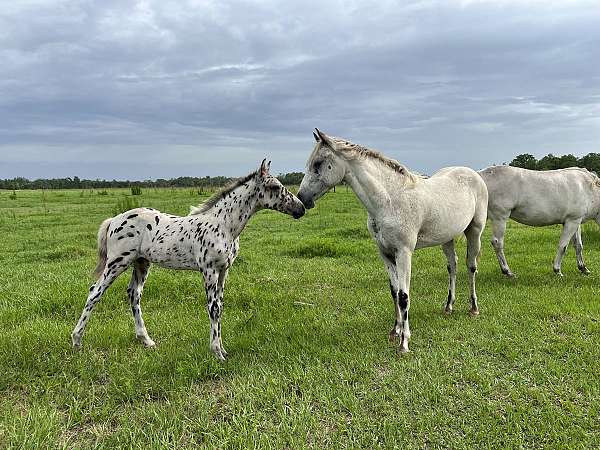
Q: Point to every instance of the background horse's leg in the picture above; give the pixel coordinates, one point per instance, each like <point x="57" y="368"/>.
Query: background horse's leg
<point x="112" y="270"/>
<point x="569" y="229"/>
<point x="134" y="291"/>
<point x="214" y="306"/>
<point x="403" y="265"/>
<point x="498" y="229"/>
<point x="578" y="245"/>
<point x="473" y="234"/>
<point x="450" y="253"/>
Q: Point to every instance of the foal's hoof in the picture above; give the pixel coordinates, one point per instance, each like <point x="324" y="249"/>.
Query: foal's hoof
<point x="447" y="310"/>
<point x="509" y="274"/>
<point x="149" y="343"/>
<point x="558" y="273"/>
<point x="584" y="270"/>
<point x="474" y="312"/>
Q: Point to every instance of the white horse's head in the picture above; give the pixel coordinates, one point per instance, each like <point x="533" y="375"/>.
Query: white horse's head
<point x="324" y="169"/>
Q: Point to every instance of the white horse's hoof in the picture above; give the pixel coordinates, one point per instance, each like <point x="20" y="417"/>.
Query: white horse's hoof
<point x="392" y="335"/>
<point x="558" y="273"/>
<point x="447" y="311"/>
<point x="149" y="343"/>
<point x="474" y="312"/>
<point x="403" y="350"/>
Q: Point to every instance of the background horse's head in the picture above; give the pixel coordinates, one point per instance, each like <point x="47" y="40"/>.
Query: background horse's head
<point x="274" y="195"/>
<point x="324" y="170"/>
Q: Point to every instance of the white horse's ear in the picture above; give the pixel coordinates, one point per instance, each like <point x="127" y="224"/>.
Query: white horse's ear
<point x="264" y="168"/>
<point x="324" y="138"/>
<point x="269" y="166"/>
<point x="316" y="137"/>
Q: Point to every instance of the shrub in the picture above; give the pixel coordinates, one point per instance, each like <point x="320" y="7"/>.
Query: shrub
<point x="125" y="204"/>
<point x="136" y="190"/>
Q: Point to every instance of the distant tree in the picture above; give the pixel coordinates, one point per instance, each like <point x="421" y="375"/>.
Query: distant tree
<point x="525" y="161"/>
<point x="591" y="162"/>
<point x="549" y="162"/>
<point x="567" y="161"/>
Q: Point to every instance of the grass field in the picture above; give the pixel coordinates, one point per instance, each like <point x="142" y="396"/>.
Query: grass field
<point x="523" y="374"/>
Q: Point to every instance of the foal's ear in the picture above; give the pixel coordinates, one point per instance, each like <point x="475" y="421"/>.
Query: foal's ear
<point x="317" y="138"/>
<point x="264" y="168"/>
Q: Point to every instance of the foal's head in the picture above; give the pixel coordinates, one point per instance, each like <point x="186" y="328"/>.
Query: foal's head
<point x="324" y="169"/>
<point x="274" y="195"/>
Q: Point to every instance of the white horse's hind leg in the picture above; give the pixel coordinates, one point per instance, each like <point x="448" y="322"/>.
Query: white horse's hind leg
<point x="473" y="234"/>
<point x="578" y="245"/>
<point x="112" y="270"/>
<point x="403" y="265"/>
<point x="450" y="253"/>
<point x="569" y="229"/>
<point x="134" y="292"/>
<point x="498" y="230"/>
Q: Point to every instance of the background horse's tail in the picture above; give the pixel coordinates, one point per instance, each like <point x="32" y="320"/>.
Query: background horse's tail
<point x="102" y="235"/>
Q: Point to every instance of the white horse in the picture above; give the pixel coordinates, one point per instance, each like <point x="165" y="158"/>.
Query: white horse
<point x="539" y="198"/>
<point x="206" y="240"/>
<point x="406" y="212"/>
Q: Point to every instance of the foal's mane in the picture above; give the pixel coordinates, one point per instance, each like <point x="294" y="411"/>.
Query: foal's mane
<point x="349" y="150"/>
<point x="228" y="188"/>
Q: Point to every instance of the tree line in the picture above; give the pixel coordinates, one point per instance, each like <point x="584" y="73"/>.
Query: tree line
<point x="207" y="182"/>
<point x="591" y="162"/>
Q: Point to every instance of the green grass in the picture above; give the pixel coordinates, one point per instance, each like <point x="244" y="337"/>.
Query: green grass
<point x="523" y="374"/>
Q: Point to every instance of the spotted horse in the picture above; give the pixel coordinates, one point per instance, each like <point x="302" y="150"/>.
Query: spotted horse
<point x="206" y="240"/>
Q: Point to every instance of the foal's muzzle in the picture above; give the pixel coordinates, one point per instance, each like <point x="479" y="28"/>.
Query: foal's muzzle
<point x="299" y="212"/>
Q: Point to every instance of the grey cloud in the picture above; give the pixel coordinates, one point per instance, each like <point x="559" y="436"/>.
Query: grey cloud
<point x="164" y="88"/>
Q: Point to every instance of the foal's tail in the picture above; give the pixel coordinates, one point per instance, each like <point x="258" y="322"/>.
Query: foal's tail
<point x="102" y="253"/>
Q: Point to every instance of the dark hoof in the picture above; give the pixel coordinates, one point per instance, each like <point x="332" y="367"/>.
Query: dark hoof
<point x="392" y="336"/>
<point x="584" y="270"/>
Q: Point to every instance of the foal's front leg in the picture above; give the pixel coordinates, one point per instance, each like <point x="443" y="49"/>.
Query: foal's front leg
<point x="214" y="306"/>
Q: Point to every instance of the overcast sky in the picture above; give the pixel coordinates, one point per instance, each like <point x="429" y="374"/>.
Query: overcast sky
<point x="160" y="89"/>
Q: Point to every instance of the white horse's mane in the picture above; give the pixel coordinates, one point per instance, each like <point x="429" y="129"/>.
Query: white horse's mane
<point x="350" y="151"/>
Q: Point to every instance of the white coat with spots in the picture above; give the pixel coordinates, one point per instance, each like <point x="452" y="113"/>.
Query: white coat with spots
<point x="539" y="198"/>
<point x="406" y="212"/>
<point x="206" y="240"/>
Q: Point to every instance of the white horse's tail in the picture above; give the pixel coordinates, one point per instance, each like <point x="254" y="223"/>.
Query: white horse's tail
<point x="102" y="252"/>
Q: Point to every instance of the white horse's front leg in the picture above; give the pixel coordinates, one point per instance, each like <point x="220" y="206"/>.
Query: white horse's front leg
<point x="214" y="307"/>
<point x="578" y="245"/>
<point x="403" y="266"/>
<point x="569" y="229"/>
<point x="390" y="266"/>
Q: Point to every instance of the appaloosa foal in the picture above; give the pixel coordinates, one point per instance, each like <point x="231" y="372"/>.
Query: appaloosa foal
<point x="206" y="240"/>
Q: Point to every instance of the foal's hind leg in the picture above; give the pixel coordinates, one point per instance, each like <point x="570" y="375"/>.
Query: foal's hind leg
<point x="473" y="234"/>
<point x="578" y="245"/>
<point x="134" y="292"/>
<point x="498" y="229"/>
<point x="450" y="253"/>
<point x="112" y="270"/>
<point x="569" y="229"/>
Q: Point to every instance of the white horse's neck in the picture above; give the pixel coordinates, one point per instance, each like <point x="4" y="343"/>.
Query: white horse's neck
<point x="369" y="180"/>
<point x="234" y="210"/>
